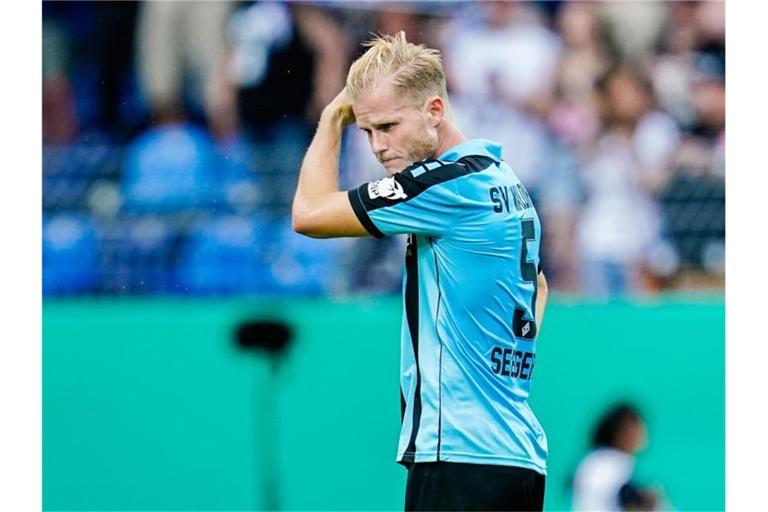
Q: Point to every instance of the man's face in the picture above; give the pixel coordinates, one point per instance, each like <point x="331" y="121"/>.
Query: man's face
<point x="400" y="130"/>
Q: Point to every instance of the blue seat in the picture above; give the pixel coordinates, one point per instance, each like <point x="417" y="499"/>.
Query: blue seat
<point x="70" y="171"/>
<point x="237" y="189"/>
<point x="70" y="255"/>
<point x="300" y="265"/>
<point x="169" y="169"/>
<point x="138" y="255"/>
<point x="242" y="255"/>
<point x="223" y="255"/>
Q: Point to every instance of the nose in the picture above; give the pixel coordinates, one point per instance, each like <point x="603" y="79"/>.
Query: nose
<point x="378" y="143"/>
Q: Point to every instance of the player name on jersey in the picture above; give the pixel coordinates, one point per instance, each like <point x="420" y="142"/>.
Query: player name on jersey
<point x="512" y="363"/>
<point x="501" y="198"/>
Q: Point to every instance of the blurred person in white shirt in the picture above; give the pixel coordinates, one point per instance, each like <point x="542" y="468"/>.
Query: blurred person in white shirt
<point x="620" y="222"/>
<point x="604" y="478"/>
<point x="507" y="44"/>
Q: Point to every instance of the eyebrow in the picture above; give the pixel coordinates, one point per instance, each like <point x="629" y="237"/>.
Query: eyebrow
<point x="378" y="125"/>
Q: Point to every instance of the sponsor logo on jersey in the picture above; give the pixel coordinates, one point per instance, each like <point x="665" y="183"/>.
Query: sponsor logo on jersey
<point x="387" y="188"/>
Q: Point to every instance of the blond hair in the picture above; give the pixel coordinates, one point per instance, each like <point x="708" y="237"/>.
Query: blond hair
<point x="414" y="70"/>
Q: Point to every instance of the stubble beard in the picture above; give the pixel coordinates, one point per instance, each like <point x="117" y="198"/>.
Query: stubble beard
<point x="420" y="150"/>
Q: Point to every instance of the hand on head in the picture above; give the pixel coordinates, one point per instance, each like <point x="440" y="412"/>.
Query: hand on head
<point x="341" y="107"/>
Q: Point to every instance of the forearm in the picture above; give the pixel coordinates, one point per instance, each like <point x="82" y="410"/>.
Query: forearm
<point x="320" y="210"/>
<point x="319" y="175"/>
<point x="541" y="299"/>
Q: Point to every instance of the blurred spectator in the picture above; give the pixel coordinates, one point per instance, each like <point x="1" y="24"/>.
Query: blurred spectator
<point x="502" y="50"/>
<point x="497" y="97"/>
<point x="693" y="204"/>
<point x="633" y="29"/>
<point x="59" y="117"/>
<point x="709" y="97"/>
<point x="181" y="57"/>
<point x="558" y="206"/>
<point x="288" y="61"/>
<point x="604" y="479"/>
<point x="620" y="221"/>
<point x="672" y="70"/>
<point x="89" y="81"/>
<point x="113" y="44"/>
<point x="689" y="76"/>
<point x="523" y="135"/>
<point x="574" y="118"/>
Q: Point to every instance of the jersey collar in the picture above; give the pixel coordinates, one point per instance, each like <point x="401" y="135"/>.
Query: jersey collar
<point x="480" y="147"/>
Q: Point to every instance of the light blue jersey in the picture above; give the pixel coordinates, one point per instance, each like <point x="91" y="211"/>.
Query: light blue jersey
<point x="469" y="287"/>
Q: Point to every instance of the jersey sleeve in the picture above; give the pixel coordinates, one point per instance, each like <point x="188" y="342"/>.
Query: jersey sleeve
<point x="423" y="199"/>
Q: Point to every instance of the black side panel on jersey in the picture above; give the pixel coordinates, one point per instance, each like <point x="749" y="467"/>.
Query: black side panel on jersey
<point x="412" y="318"/>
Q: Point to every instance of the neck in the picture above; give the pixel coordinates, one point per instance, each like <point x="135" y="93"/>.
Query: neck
<point x="448" y="135"/>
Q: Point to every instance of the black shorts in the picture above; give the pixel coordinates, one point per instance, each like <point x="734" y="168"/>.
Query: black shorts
<point x="458" y="486"/>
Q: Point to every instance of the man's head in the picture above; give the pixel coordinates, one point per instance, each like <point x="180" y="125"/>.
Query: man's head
<point x="621" y="427"/>
<point x="399" y="99"/>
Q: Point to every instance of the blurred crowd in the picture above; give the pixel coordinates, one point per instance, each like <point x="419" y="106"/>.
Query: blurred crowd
<point x="173" y="133"/>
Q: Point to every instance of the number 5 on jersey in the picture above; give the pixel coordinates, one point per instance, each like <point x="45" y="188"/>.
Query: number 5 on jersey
<point x="523" y="327"/>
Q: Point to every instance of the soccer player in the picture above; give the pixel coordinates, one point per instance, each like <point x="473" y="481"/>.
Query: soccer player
<point x="473" y="292"/>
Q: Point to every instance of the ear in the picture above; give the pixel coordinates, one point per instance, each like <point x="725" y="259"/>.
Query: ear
<point x="435" y="109"/>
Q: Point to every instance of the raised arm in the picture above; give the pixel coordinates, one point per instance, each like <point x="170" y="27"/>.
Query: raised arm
<point x="320" y="210"/>
<point x="541" y="299"/>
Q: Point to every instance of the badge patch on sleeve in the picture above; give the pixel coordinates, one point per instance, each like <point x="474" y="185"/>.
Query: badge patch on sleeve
<point x="387" y="188"/>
